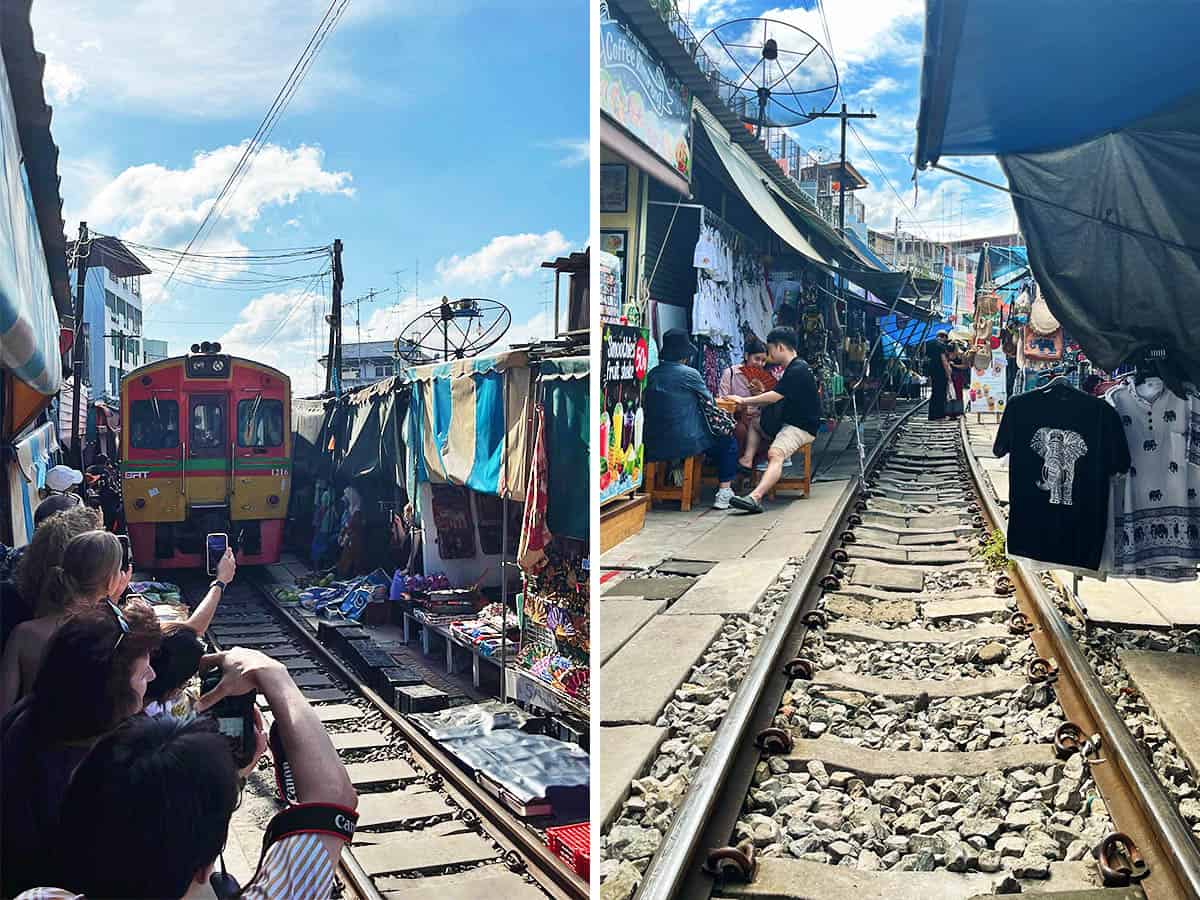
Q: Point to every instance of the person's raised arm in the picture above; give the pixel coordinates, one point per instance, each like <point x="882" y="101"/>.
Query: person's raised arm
<point x="203" y="614"/>
<point x="318" y="771"/>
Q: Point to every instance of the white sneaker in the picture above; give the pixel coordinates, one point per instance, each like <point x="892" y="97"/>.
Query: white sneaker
<point x="722" y="499"/>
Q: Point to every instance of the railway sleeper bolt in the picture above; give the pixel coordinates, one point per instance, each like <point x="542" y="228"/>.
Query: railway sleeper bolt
<point x="848" y="537"/>
<point x="831" y="583"/>
<point x="434" y="780"/>
<point x="1039" y="669"/>
<point x="1068" y="739"/>
<point x="798" y="668"/>
<point x="1019" y="623"/>
<point x="977" y="521"/>
<point x="814" y="618"/>
<point x="732" y="863"/>
<point x="1004" y="586"/>
<point x="1119" y="860"/>
<point x="514" y="861"/>
<point x="470" y="819"/>
<point x="855" y="519"/>
<point x="840" y="555"/>
<point x="860" y="506"/>
<point x="774" y="741"/>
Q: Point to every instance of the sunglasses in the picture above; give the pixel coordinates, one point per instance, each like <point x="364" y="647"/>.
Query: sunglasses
<point x="121" y="620"/>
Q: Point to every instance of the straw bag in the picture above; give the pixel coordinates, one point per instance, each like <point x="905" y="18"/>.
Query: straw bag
<point x="1041" y="320"/>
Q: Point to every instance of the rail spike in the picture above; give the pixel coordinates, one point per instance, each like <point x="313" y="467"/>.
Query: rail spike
<point x="732" y="863"/>
<point x="798" y="668"/>
<point x="831" y="583"/>
<point x="1068" y="739"/>
<point x="1019" y="623"/>
<point x="1039" y="670"/>
<point x="1119" y="860"/>
<point x="814" y="619"/>
<point x="774" y="741"/>
<point x="514" y="861"/>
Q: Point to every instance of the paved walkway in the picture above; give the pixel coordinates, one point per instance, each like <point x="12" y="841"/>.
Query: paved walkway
<point x="668" y="591"/>
<point x="1117" y="601"/>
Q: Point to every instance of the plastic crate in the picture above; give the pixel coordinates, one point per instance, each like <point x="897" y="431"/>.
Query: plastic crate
<point x="572" y="844"/>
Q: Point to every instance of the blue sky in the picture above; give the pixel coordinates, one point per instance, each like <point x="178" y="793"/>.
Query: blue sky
<point x="877" y="47"/>
<point x="451" y="133"/>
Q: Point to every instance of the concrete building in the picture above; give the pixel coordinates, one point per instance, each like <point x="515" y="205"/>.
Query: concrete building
<point x="153" y="351"/>
<point x="112" y="315"/>
<point x="368" y="362"/>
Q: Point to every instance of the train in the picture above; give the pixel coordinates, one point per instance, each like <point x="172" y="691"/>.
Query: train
<point x="206" y="446"/>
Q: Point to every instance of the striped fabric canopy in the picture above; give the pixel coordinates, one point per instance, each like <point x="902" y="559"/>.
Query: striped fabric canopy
<point x="468" y="423"/>
<point x="26" y="475"/>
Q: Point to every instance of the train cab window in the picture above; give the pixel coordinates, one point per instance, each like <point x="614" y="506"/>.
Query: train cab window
<point x="260" y="423"/>
<point x="208" y="424"/>
<point x="154" y="424"/>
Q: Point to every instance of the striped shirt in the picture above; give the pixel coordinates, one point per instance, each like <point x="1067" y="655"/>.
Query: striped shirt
<point x="296" y="867"/>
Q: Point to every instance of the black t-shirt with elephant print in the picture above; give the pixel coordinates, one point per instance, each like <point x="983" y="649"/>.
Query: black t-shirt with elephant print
<point x="1064" y="446"/>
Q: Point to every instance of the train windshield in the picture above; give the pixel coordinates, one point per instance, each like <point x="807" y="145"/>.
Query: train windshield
<point x="208" y="426"/>
<point x="260" y="423"/>
<point x="154" y="424"/>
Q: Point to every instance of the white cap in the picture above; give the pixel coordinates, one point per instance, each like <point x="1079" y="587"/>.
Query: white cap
<point x="61" y="478"/>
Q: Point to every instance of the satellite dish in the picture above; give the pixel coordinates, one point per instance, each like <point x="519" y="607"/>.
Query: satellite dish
<point x="770" y="72"/>
<point x="454" y="329"/>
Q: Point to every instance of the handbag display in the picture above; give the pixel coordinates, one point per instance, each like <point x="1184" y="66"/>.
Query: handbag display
<point x="1041" y="320"/>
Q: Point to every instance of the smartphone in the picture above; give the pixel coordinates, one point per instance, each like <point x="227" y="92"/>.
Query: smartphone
<point x="126" y="552"/>
<point x="215" y="546"/>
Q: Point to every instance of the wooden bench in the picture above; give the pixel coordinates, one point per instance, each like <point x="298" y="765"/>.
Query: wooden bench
<point x="687" y="493"/>
<point x="802" y="483"/>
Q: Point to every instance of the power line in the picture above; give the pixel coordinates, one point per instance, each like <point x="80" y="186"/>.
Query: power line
<point x="282" y="98"/>
<point x="887" y="180"/>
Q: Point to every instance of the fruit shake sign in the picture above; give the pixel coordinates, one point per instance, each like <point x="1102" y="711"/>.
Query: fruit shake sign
<point x="637" y="92"/>
<point x="624" y="358"/>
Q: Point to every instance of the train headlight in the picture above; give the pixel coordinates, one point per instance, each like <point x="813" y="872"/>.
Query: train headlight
<point x="273" y="500"/>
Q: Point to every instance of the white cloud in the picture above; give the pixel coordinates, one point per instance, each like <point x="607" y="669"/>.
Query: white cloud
<point x="538" y="327"/>
<point x="160" y="206"/>
<point x="877" y="88"/>
<point x="199" y="60"/>
<point x="862" y="31"/>
<point x="63" y="84"/>
<point x="504" y="257"/>
<point x="277" y="329"/>
<point x="575" y="151"/>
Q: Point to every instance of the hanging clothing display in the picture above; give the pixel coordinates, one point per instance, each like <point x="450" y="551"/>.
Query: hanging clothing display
<point x="731" y="291"/>
<point x="1156" y="507"/>
<point x="1064" y="446"/>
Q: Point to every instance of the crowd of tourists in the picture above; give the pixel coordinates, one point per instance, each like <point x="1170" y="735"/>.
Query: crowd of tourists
<point x="115" y="779"/>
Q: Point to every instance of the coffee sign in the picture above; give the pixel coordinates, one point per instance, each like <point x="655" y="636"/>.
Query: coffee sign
<point x="637" y="92"/>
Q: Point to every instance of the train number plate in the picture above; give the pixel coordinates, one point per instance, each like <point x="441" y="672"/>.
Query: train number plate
<point x="279" y="472"/>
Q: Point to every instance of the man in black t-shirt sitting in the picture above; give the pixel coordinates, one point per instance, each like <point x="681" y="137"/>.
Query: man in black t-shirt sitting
<point x="793" y="424"/>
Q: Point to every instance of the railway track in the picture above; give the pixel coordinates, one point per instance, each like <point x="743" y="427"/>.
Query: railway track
<point x="426" y="829"/>
<point x="917" y="724"/>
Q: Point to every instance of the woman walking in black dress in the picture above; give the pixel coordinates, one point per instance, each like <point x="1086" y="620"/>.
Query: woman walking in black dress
<point x="937" y="352"/>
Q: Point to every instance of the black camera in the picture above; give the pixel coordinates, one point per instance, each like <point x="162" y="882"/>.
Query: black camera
<point x="235" y="718"/>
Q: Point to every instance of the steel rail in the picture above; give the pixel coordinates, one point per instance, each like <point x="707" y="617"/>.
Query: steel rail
<point x="1119" y="744"/>
<point x="669" y="867"/>
<point x="550" y="871"/>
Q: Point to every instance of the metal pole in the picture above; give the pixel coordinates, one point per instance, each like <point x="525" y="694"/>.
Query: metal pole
<point x="503" y="600"/>
<point x="77" y="348"/>
<point x="842" y="178"/>
<point x="338" y="279"/>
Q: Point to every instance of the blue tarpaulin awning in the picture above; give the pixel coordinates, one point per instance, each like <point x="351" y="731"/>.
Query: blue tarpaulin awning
<point x="1093" y="109"/>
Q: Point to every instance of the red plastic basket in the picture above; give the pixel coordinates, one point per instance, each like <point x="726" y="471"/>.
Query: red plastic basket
<point x="572" y="844"/>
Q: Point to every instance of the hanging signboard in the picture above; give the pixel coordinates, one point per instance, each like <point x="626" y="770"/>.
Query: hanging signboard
<point x="638" y="93"/>
<point x="624" y="359"/>
<point x="987" y="391"/>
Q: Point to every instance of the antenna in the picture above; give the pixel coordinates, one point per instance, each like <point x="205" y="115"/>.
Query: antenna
<point x="445" y="330"/>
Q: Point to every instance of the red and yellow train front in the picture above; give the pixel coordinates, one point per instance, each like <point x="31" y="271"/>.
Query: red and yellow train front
<point x="206" y="447"/>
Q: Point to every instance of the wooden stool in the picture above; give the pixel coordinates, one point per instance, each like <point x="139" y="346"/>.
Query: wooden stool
<point x="687" y="493"/>
<point x="802" y="483"/>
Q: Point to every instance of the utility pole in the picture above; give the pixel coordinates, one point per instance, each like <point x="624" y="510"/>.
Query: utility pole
<point x="82" y="248"/>
<point x="333" y="374"/>
<point x="896" y="243"/>
<point x="845" y="117"/>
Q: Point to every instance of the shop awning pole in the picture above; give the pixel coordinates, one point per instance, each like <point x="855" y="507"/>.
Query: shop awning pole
<point x="503" y="600"/>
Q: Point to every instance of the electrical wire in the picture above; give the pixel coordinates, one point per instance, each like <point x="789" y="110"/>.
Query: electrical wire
<point x="887" y="181"/>
<point x="299" y="70"/>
